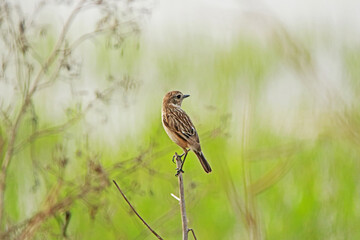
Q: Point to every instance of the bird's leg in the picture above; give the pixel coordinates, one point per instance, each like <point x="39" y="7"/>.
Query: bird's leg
<point x="182" y="162"/>
<point x="176" y="155"/>
<point x="182" y="154"/>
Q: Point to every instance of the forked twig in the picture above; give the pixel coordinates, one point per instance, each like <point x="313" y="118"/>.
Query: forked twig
<point x="137" y="214"/>
<point x="185" y="229"/>
<point x="193" y="233"/>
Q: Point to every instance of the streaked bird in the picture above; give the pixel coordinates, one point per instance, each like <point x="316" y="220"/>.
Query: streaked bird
<point x="180" y="129"/>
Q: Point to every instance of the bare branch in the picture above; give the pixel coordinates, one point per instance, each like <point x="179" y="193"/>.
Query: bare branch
<point x="137" y="214"/>
<point x="87" y="36"/>
<point x="59" y="43"/>
<point x="48" y="131"/>
<point x="34" y="222"/>
<point x="5" y="118"/>
<point x="184" y="220"/>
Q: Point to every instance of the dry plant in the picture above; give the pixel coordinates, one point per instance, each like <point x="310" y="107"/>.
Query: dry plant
<point x="242" y="192"/>
<point x="243" y="196"/>
<point x="184" y="220"/>
<point x="26" y="70"/>
<point x="243" y="189"/>
<point x="137" y="214"/>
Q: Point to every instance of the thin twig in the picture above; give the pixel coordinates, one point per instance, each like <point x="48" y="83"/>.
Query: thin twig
<point x="48" y="131"/>
<point x="174" y="196"/>
<point x="66" y="224"/>
<point x="185" y="228"/>
<point x="137" y="214"/>
<point x="249" y="196"/>
<point x="193" y="233"/>
<point x="34" y="222"/>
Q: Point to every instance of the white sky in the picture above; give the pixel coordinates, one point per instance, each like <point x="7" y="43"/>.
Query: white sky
<point x="222" y="20"/>
<point x="219" y="18"/>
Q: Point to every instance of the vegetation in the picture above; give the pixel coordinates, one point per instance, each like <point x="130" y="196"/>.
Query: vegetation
<point x="279" y="122"/>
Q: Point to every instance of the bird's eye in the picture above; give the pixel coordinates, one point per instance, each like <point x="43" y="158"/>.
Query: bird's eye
<point x="178" y="96"/>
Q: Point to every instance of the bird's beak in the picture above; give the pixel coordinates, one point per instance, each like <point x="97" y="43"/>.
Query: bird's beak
<point x="185" y="96"/>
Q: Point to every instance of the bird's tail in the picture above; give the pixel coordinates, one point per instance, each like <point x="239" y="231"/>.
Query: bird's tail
<point x="203" y="161"/>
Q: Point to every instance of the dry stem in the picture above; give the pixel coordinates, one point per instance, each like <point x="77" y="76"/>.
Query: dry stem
<point x="24" y="107"/>
<point x="137" y="214"/>
<point x="185" y="229"/>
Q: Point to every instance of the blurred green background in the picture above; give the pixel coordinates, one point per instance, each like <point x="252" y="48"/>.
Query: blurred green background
<point x="276" y="106"/>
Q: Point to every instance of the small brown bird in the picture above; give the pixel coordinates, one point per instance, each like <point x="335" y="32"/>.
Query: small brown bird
<point x="179" y="127"/>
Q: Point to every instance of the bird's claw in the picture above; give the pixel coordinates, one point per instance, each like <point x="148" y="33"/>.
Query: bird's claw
<point x="178" y="172"/>
<point x="176" y="156"/>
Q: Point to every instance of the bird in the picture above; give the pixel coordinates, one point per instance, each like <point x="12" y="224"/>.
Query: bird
<point x="180" y="129"/>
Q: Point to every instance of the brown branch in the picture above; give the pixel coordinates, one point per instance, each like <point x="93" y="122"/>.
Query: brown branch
<point x="6" y="161"/>
<point x="93" y="34"/>
<point x="54" y="74"/>
<point x="52" y="206"/>
<point x="87" y="36"/>
<point x="137" y="214"/>
<point x="54" y="54"/>
<point x="185" y="229"/>
<point x="34" y="222"/>
<point x="60" y="42"/>
<point x="5" y="117"/>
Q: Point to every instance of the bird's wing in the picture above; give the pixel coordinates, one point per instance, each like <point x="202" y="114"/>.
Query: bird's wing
<point x="179" y="122"/>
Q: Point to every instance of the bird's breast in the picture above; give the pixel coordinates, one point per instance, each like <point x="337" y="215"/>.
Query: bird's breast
<point x="172" y="135"/>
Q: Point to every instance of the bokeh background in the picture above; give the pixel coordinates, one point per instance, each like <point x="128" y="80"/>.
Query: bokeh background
<point x="274" y="91"/>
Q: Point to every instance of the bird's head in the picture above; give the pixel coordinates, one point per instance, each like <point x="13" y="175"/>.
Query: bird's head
<point x="174" y="98"/>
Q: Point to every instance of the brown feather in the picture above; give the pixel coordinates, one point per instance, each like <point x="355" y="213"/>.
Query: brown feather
<point x="203" y="161"/>
<point x="179" y="127"/>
